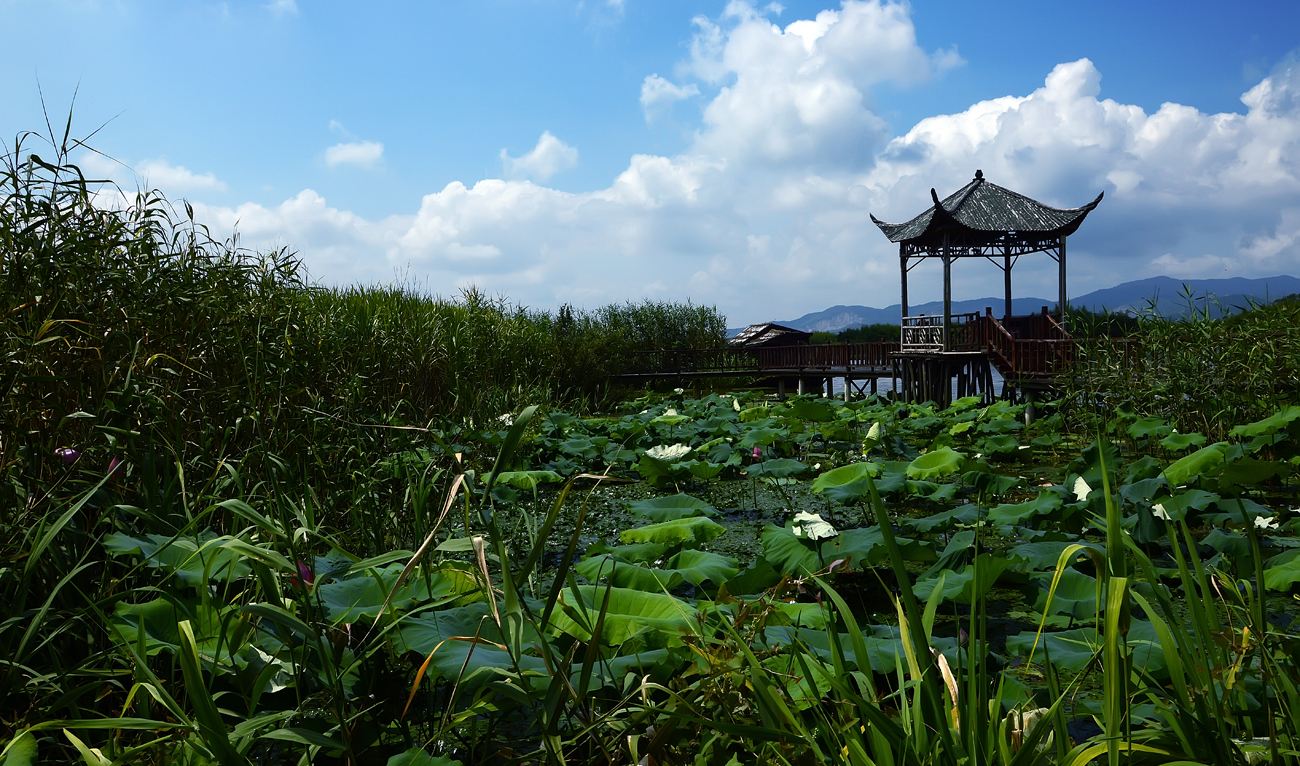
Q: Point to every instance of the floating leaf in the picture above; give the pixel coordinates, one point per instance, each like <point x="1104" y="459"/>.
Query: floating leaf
<point x="693" y="529"/>
<point x="943" y="461"/>
<point x="970" y="583"/>
<point x="1047" y="503"/>
<point x="669" y="507"/>
<point x="811" y="526"/>
<point x="846" y="483"/>
<point x="778" y="468"/>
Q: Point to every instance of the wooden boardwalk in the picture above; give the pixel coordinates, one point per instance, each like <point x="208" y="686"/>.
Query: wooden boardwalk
<point x="1028" y="352"/>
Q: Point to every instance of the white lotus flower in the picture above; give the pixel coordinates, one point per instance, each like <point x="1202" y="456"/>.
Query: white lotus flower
<point x="735" y="405"/>
<point x="679" y="390"/>
<point x="669" y="453"/>
<point x="1159" y="512"/>
<point x="874" y="432"/>
<point x="1081" y="489"/>
<point x="812" y="526"/>
<point x="670" y="412"/>
<point x="506" y="419"/>
<point x="1265" y="522"/>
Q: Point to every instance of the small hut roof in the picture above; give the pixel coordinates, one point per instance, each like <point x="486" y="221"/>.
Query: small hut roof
<point x="765" y="333"/>
<point x="982" y="212"/>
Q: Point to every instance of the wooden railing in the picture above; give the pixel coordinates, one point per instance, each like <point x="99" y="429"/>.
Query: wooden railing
<point x="1048" y="350"/>
<point x="844" y="355"/>
<point x="926" y="332"/>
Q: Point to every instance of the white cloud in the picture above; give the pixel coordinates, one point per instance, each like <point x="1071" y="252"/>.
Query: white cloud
<point x="658" y="93"/>
<point x="172" y="180"/>
<point x="765" y="214"/>
<point x="282" y="7"/>
<point x="548" y="157"/>
<point x="361" y="154"/>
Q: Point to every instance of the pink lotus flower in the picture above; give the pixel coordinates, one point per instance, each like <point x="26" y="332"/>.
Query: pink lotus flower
<point x="304" y="578"/>
<point x="68" y="455"/>
<point x="758" y="453"/>
<point x="113" y="464"/>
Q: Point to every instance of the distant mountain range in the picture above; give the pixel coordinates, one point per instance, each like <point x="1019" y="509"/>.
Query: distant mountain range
<point x="1164" y="294"/>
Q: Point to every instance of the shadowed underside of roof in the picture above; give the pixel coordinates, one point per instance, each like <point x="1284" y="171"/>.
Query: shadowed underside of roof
<point x="981" y="213"/>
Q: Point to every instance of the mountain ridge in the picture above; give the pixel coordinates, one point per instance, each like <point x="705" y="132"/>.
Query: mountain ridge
<point x="1163" y="294"/>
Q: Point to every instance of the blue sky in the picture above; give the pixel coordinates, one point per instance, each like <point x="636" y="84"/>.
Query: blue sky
<point x="591" y="151"/>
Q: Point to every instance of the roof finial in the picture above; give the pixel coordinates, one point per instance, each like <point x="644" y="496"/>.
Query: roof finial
<point x="979" y="175"/>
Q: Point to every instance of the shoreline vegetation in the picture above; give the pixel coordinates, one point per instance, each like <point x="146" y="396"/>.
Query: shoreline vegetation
<point x="252" y="520"/>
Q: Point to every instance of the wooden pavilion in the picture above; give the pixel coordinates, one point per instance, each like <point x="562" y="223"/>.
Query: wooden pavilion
<point x="982" y="220"/>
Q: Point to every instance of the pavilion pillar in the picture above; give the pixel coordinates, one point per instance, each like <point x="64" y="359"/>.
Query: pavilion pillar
<point x="1061" y="299"/>
<point x="947" y="294"/>
<point x="1006" y="280"/>
<point x="902" y="260"/>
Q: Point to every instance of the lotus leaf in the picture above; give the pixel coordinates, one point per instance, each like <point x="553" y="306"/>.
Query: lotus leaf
<point x="943" y="461"/>
<point x="846" y="483"/>
<point x="1176" y="442"/>
<point x="1205" y="462"/>
<point x="1047" y="503"/>
<point x="1272" y="424"/>
<point x="528" y="480"/>
<point x="194" y="561"/>
<point x="962" y="514"/>
<point x="1283" y="571"/>
<point x="689" y="530"/>
<point x="657" y="617"/>
<point x="1149" y="428"/>
<point x="669" y="507"/>
<point x="788" y="554"/>
<point x="971" y="582"/>
<point x="778" y="468"/>
<point x="1075" y="596"/>
<point x="1073" y="650"/>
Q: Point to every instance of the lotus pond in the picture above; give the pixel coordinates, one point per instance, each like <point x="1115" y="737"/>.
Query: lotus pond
<point x="738" y="579"/>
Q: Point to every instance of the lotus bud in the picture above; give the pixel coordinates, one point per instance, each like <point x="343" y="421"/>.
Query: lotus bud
<point x="68" y="455"/>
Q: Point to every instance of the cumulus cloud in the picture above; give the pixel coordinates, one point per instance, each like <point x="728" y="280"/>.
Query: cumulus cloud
<point x="360" y="154"/>
<point x="658" y="93"/>
<point x="548" y="157"/>
<point x="172" y="180"/>
<point x="765" y="213"/>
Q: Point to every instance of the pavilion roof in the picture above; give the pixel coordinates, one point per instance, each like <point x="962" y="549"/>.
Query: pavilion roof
<point x="982" y="212"/>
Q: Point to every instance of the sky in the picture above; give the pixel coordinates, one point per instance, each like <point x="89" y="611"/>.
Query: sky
<point x="727" y="153"/>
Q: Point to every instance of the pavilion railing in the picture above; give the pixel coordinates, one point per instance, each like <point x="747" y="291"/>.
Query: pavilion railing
<point x="824" y="356"/>
<point x="927" y="332"/>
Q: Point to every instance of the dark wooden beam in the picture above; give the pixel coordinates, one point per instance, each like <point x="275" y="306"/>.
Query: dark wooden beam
<point x="1006" y="279"/>
<point x="1060" y="263"/>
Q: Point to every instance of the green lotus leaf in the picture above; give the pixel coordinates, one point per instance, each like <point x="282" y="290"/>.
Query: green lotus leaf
<point x="1145" y="428"/>
<point x="1272" y="424"/>
<point x="1002" y="444"/>
<point x="1204" y="462"/>
<point x="787" y="553"/>
<point x="528" y="480"/>
<point x="697" y="567"/>
<point x="669" y="507"/>
<point x="657" y="617"/>
<point x="962" y="514"/>
<point x="865" y="547"/>
<point x="1044" y="554"/>
<point x="1073" y="650"/>
<point x="846" y="483"/>
<point x="812" y="410"/>
<point x="362" y="596"/>
<point x="1045" y="504"/>
<point x="692" y="529"/>
<point x="607" y="569"/>
<point x="669" y="420"/>
<point x="1177" y="442"/>
<point x="968" y="584"/>
<point x="633" y="554"/>
<point x="943" y="461"/>
<point x="1283" y="571"/>
<point x="1075" y="596"/>
<point x="777" y="468"/>
<point x="195" y="561"/>
<point x="423" y="633"/>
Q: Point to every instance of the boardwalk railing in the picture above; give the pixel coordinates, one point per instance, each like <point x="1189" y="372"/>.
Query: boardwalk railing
<point x="830" y="355"/>
<point x="1034" y="346"/>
